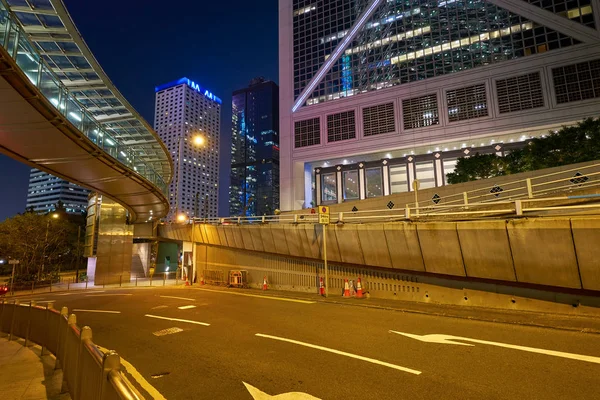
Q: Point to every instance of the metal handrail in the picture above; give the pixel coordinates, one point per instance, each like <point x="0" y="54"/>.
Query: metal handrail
<point x="72" y="346"/>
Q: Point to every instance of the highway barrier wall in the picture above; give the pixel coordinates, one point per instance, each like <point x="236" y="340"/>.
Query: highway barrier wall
<point x="522" y="257"/>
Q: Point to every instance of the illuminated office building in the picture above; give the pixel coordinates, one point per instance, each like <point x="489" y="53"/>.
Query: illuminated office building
<point x="377" y="93"/>
<point x="45" y="191"/>
<point x="183" y="111"/>
<point x="254" y="188"/>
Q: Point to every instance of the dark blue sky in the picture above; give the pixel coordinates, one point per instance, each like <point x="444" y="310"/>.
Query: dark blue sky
<point x="141" y="44"/>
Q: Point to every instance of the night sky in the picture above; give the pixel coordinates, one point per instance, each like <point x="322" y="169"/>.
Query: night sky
<point x="141" y="44"/>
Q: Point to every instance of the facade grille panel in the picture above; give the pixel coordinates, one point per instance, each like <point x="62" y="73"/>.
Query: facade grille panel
<point x="577" y="81"/>
<point x="379" y="119"/>
<point x="420" y="111"/>
<point x="467" y="103"/>
<point x="341" y="126"/>
<point x="520" y="93"/>
<point x="307" y="132"/>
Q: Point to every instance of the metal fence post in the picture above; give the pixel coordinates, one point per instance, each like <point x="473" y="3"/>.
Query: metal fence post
<point x="68" y="285"/>
<point x="50" y="285"/>
<point x="31" y="305"/>
<point x="519" y="207"/>
<point x="120" y="280"/>
<point x="136" y="278"/>
<point x="57" y="365"/>
<point x="164" y="278"/>
<point x="32" y="286"/>
<point x="340" y="217"/>
<point x="12" y="322"/>
<point x="86" y="282"/>
<point x="407" y="212"/>
<point x="529" y="188"/>
<point x="151" y="275"/>
<point x="110" y="361"/>
<point x="86" y="334"/>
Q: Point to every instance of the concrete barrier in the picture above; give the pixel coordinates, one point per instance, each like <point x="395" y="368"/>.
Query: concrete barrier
<point x="486" y="250"/>
<point x="403" y="246"/>
<point x="257" y="242"/>
<point x="247" y="239"/>
<point x="237" y="236"/>
<point x="292" y="237"/>
<point x="313" y="240"/>
<point x="211" y="235"/>
<point x="333" y="250"/>
<point x="229" y="234"/>
<point x="543" y="252"/>
<point x="586" y="236"/>
<point x="440" y="248"/>
<point x="349" y="244"/>
<point x="374" y="246"/>
<point x="222" y="235"/>
<point x="279" y="240"/>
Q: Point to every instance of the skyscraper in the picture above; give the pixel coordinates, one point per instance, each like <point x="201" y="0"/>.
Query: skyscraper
<point x="187" y="118"/>
<point x="46" y="190"/>
<point x="375" y="94"/>
<point x="254" y="188"/>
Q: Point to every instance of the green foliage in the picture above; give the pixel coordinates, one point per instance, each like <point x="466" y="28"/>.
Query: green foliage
<point x="570" y="145"/>
<point x="41" y="243"/>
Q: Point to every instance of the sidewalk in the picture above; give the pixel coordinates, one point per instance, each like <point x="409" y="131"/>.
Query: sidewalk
<point x="577" y="323"/>
<point x="26" y="375"/>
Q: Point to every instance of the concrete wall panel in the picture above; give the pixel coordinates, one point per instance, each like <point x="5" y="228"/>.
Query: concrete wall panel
<point x="229" y="234"/>
<point x="246" y="238"/>
<point x="212" y="234"/>
<point x="279" y="241"/>
<point x="222" y="235"/>
<point x="313" y="241"/>
<point x="292" y="235"/>
<point x="485" y="249"/>
<point x="333" y="250"/>
<point x="586" y="234"/>
<point x="237" y="237"/>
<point x="373" y="245"/>
<point x="254" y="231"/>
<point x="349" y="244"/>
<point x="199" y="234"/>
<point x="543" y="252"/>
<point x="441" y="248"/>
<point x="267" y="239"/>
<point x="403" y="246"/>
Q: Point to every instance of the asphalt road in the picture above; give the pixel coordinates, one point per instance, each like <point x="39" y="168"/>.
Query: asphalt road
<point x="328" y="351"/>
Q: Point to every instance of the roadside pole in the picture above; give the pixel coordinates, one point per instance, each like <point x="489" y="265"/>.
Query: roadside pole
<point x="12" y="278"/>
<point x="324" y="221"/>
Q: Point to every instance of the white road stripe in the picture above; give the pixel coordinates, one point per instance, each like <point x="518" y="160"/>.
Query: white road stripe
<point x="130" y="369"/>
<point x="261" y="297"/>
<point x="186" y="307"/>
<point x="168" y="331"/>
<point x="342" y="353"/>
<point x="178" y="320"/>
<point x="97" y="311"/>
<point x="109" y="294"/>
<point x="178" y="298"/>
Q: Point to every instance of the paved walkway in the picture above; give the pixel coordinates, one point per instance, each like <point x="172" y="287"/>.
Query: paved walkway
<point x="26" y="375"/>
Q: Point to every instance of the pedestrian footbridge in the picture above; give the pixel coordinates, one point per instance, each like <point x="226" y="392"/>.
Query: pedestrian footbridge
<point x="60" y="113"/>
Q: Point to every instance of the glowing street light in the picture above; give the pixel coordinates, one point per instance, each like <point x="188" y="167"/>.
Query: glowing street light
<point x="198" y="140"/>
<point x="181" y="218"/>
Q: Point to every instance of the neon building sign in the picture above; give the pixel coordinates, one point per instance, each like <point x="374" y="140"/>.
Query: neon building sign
<point x="193" y="85"/>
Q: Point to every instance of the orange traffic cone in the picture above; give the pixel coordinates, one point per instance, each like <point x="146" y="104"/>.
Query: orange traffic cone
<point x="202" y="279"/>
<point x="321" y="287"/>
<point x="346" y="288"/>
<point x="187" y="283"/>
<point x="265" y="283"/>
<point x="359" y="292"/>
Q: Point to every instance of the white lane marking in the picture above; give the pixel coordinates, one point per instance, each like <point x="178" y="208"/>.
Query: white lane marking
<point x="186" y="307"/>
<point x="168" y="331"/>
<point x="448" y="339"/>
<point x="97" y="311"/>
<point x="342" y="353"/>
<point x="178" y="320"/>
<point x="109" y="294"/>
<point x="66" y="294"/>
<point x="159" y="307"/>
<point x="260" y="395"/>
<point x="130" y="369"/>
<point x="178" y="298"/>
<point x="261" y="297"/>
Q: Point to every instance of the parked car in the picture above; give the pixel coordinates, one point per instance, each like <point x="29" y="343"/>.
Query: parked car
<point x="3" y="289"/>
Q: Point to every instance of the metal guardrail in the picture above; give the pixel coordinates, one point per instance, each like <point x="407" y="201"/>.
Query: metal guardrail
<point x="89" y="373"/>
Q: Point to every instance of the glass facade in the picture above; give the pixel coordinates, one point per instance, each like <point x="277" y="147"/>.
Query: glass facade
<point x="45" y="191"/>
<point x="254" y="188"/>
<point x="408" y="41"/>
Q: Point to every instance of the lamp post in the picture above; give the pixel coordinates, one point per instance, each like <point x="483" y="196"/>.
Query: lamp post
<point x="198" y="141"/>
<point x="54" y="216"/>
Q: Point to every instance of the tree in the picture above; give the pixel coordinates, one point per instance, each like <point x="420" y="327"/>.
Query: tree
<point x="40" y="242"/>
<point x="569" y="145"/>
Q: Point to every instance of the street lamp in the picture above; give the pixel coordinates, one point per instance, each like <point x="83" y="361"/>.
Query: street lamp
<point x="197" y="140"/>
<point x="53" y="216"/>
<point x="181" y="218"/>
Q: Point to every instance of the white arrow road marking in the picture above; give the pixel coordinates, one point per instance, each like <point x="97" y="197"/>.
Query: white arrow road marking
<point x="97" y="311"/>
<point x="186" y="307"/>
<point x="448" y="339"/>
<point x="260" y="395"/>
<point x="178" y="320"/>
<point x="155" y="394"/>
<point x="342" y="353"/>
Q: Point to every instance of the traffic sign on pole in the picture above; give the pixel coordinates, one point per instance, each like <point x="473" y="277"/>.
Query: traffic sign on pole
<point x="324" y="215"/>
